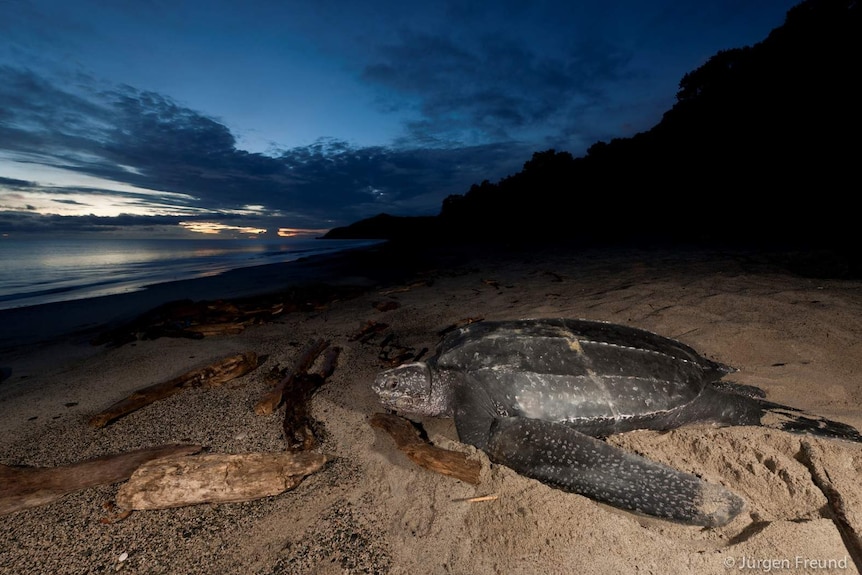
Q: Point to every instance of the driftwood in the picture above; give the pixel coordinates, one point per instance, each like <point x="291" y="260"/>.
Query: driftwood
<point x="211" y="375"/>
<point x="210" y="329"/>
<point x="368" y="330"/>
<point x="272" y="400"/>
<point x="190" y="319"/>
<point x="215" y="478"/>
<point x="25" y="487"/>
<point x="393" y="353"/>
<point x="416" y="284"/>
<point x="387" y="305"/>
<point x="297" y="423"/>
<point x="424" y="454"/>
<point x="297" y="426"/>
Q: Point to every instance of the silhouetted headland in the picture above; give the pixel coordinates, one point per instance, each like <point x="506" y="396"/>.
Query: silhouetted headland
<point x="761" y="149"/>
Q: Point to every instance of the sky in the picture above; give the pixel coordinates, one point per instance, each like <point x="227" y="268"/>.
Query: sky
<point x="191" y="118"/>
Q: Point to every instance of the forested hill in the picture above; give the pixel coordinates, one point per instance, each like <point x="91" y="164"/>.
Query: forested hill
<point x="761" y="147"/>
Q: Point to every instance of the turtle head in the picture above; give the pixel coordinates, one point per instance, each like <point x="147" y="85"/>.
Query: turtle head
<point x="410" y="388"/>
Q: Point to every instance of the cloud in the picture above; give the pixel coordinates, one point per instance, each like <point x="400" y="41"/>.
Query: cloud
<point x="14" y="184"/>
<point x="70" y="202"/>
<point x="497" y="87"/>
<point x="124" y="150"/>
<point x="411" y="180"/>
<point x="28" y="222"/>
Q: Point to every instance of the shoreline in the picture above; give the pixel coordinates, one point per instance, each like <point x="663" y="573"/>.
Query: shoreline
<point x="361" y="267"/>
<point x="94" y="268"/>
<point x="43" y="323"/>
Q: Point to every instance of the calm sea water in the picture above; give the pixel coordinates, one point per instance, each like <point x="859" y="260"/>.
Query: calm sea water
<point x="41" y="271"/>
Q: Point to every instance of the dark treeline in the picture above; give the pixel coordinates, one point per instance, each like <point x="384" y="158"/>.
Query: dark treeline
<point x="761" y="148"/>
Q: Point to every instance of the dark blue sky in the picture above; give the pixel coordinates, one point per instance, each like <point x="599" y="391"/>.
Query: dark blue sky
<point x="130" y="117"/>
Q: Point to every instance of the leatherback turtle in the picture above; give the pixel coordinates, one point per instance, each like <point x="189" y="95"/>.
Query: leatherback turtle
<point x="538" y="395"/>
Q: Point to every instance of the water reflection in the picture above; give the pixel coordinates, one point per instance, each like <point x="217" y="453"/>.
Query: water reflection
<point x="38" y="271"/>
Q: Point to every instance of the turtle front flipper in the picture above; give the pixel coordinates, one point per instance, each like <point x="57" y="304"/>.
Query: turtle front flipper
<point x="562" y="457"/>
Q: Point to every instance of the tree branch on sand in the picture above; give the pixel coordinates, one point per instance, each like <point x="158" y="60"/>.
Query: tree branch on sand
<point x="25" y="487"/>
<point x="212" y="375"/>
<point x="422" y="453"/>
<point x="297" y="422"/>
<point x="272" y="400"/>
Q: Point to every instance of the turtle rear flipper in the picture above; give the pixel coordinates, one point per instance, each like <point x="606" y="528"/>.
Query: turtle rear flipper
<point x="562" y="457"/>
<point x="794" y="420"/>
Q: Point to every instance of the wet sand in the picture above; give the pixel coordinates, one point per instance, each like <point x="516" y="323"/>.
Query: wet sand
<point x="373" y="511"/>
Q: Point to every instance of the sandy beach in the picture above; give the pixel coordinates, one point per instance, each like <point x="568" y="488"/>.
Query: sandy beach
<point x="371" y="510"/>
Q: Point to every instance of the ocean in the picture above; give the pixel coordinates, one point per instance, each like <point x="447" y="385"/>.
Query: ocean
<point x="38" y="271"/>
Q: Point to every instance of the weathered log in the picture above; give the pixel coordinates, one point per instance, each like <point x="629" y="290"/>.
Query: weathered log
<point x="25" y="487"/>
<point x="402" y="355"/>
<point x="215" y="478"/>
<point x="392" y="353"/>
<point x="416" y="284"/>
<point x="211" y="375"/>
<point x="330" y="361"/>
<point x="184" y="318"/>
<point x="210" y="329"/>
<point x="263" y="313"/>
<point x="370" y="328"/>
<point x="386" y="305"/>
<point x="424" y="454"/>
<point x="272" y="400"/>
<point x="297" y="423"/>
<point x="274" y="375"/>
<point x="172" y="331"/>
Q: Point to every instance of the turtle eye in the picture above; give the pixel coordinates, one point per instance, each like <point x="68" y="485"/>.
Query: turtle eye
<point x="393" y="384"/>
